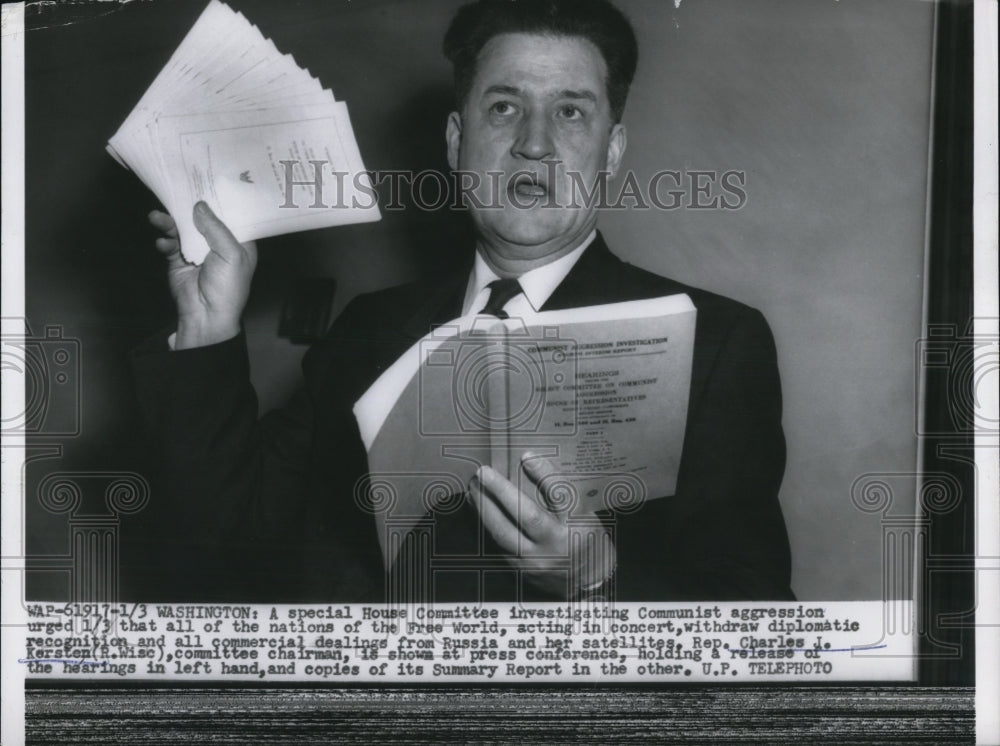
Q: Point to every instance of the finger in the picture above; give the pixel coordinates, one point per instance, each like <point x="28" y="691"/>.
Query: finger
<point x="171" y="250"/>
<point x="504" y="532"/>
<point x="163" y="222"/>
<point x="168" y="246"/>
<point x="536" y="522"/>
<point x="539" y="469"/>
<point x="595" y="557"/>
<point x="220" y="239"/>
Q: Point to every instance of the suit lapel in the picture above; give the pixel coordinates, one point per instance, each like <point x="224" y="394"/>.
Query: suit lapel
<point x="582" y="285"/>
<point x="600" y="277"/>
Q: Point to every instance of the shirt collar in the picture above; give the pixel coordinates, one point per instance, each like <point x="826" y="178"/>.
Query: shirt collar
<point x="537" y="284"/>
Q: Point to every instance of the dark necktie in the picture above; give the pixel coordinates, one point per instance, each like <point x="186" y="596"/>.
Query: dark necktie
<point x="501" y="291"/>
<point x="455" y="534"/>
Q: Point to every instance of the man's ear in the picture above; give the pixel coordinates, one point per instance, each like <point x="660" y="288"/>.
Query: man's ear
<point x="453" y="134"/>
<point x="616" y="148"/>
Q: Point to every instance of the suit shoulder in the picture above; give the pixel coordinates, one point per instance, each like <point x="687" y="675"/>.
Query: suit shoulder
<point x="406" y="294"/>
<point x="722" y="322"/>
<point x="708" y="303"/>
<point x="388" y="308"/>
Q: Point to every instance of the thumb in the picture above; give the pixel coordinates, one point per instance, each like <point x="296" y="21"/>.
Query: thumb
<point x="220" y="238"/>
<point x="543" y="473"/>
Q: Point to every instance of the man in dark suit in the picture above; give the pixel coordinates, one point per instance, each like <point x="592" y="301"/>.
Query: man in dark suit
<point x="541" y="86"/>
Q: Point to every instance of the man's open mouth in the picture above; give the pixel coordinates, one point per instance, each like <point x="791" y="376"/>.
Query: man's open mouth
<point x="528" y="187"/>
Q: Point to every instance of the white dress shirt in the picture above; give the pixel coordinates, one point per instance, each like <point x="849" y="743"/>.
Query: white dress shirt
<point x="537" y="284"/>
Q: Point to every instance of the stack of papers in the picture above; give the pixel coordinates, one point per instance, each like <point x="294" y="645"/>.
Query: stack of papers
<point x="232" y="121"/>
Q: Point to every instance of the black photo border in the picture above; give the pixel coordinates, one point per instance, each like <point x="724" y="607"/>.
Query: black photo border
<point x="939" y="708"/>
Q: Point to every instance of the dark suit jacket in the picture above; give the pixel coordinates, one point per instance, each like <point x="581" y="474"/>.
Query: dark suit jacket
<point x="265" y="510"/>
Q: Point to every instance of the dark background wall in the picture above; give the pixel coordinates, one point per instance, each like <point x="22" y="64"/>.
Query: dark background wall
<point x="824" y="104"/>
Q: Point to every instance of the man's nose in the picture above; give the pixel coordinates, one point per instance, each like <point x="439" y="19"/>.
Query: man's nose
<point x="534" y="139"/>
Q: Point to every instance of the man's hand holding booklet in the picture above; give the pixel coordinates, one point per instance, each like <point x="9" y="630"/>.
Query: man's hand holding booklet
<point x="601" y="392"/>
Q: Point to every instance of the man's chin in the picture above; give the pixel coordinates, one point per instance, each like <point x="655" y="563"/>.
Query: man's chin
<point x="529" y="238"/>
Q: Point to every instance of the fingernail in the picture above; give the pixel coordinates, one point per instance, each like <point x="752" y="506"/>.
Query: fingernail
<point x="201" y="207"/>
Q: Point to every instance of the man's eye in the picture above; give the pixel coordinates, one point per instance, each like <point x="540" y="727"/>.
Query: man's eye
<point x="571" y="112"/>
<point x="503" y="108"/>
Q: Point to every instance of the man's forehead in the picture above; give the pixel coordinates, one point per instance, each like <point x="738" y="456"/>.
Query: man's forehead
<point x="521" y="63"/>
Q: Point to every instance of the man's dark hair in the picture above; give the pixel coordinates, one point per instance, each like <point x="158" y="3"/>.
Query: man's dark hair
<point x="598" y="21"/>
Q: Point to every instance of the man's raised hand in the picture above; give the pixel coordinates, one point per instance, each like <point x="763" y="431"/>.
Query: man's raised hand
<point x="211" y="297"/>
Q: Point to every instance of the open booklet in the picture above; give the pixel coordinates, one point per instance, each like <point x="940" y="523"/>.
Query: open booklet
<point x="232" y="121"/>
<point x="600" y="391"/>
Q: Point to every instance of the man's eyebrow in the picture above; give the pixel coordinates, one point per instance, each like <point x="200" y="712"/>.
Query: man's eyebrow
<point x="505" y="89"/>
<point x="588" y="95"/>
<point x="510" y="90"/>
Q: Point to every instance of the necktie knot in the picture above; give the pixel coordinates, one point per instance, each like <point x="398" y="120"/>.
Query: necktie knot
<point x="501" y="291"/>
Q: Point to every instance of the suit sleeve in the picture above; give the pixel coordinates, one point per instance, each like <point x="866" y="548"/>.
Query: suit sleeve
<point x="234" y="495"/>
<point x="722" y="536"/>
